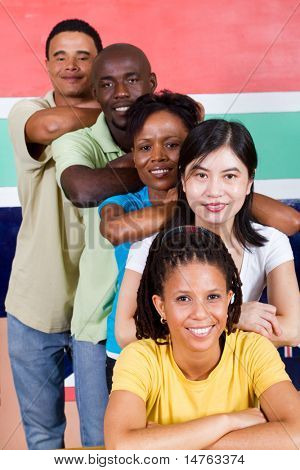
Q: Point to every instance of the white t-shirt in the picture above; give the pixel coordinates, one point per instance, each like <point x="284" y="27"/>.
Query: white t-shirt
<point x="257" y="263"/>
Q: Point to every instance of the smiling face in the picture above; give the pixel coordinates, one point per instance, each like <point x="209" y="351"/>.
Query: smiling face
<point x="194" y="304"/>
<point x="71" y="56"/>
<point x="121" y="75"/>
<point x="216" y="188"/>
<point x="156" y="150"/>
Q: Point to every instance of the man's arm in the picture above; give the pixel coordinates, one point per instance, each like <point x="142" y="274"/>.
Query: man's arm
<point x="281" y="405"/>
<point x="87" y="187"/>
<point x="270" y="212"/>
<point x="46" y="125"/>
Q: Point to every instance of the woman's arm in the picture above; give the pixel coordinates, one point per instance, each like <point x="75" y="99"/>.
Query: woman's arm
<point x="125" y="329"/>
<point x="125" y="426"/>
<point x="270" y="212"/>
<point x="281" y="405"/>
<point x="279" y="321"/>
<point x="120" y="227"/>
<point x="283" y="293"/>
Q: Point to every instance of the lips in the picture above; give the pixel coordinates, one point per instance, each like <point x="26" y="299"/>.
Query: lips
<point x="122" y="107"/>
<point x="215" y="207"/>
<point x="201" y="332"/>
<point x="160" y="171"/>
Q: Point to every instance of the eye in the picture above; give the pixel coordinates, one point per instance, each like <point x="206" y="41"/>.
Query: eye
<point x="83" y="58"/>
<point x="201" y="175"/>
<point x="60" y="59"/>
<point x="133" y="80"/>
<point x="183" y="298"/>
<point x="106" y="85"/>
<point x="213" y="297"/>
<point x="172" y="145"/>
<point x="145" y="148"/>
<point x="230" y="176"/>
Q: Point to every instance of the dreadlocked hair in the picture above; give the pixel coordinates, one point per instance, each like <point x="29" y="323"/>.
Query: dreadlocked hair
<point x="170" y="249"/>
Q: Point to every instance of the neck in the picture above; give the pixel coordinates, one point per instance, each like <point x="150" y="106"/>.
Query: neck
<point x="197" y="365"/>
<point x="225" y="231"/>
<point x="61" y="100"/>
<point x="156" y="196"/>
<point x="120" y="138"/>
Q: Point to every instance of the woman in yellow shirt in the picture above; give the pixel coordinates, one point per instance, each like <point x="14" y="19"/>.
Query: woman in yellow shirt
<point x="191" y="381"/>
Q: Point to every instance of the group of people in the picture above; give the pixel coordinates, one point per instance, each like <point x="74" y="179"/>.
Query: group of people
<point x="141" y="229"/>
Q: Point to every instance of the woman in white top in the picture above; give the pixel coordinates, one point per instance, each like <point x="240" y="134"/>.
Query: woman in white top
<point x="216" y="171"/>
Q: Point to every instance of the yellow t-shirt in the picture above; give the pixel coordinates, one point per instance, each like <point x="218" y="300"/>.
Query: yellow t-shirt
<point x="249" y="365"/>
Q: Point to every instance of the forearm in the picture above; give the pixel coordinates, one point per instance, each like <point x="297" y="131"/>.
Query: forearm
<point x="290" y="335"/>
<point x="87" y="187"/>
<point x="275" y="435"/>
<point x="137" y="225"/>
<point x="126" y="333"/>
<point x="275" y="214"/>
<point x="49" y="124"/>
<point x="196" y="434"/>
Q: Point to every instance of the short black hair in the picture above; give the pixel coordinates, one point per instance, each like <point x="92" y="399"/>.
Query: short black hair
<point x="74" y="25"/>
<point x="187" y="109"/>
<point x="172" y="248"/>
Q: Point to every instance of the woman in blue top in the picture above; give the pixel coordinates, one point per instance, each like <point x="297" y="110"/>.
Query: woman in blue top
<point x="158" y="125"/>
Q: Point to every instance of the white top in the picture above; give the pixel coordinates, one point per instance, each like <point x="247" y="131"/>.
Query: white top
<point x="257" y="263"/>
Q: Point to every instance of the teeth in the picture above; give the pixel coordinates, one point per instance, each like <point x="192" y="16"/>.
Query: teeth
<point x="200" y="331"/>
<point x="159" y="172"/>
<point x="122" y="109"/>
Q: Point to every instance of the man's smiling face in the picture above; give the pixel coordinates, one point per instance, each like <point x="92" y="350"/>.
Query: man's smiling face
<point x="121" y="75"/>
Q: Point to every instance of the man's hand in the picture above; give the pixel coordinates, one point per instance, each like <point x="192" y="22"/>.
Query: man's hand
<point x="125" y="161"/>
<point x="260" y="318"/>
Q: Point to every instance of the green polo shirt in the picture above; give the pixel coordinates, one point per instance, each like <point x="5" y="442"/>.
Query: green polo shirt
<point x="92" y="147"/>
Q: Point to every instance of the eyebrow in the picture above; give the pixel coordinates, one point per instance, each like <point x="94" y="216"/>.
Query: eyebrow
<point x="186" y="292"/>
<point x="146" y="139"/>
<point x="199" y="167"/>
<point x="111" y="77"/>
<point x="64" y="52"/>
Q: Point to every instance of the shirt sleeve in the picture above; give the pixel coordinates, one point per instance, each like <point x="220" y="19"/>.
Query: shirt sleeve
<point x="132" y="371"/>
<point x="17" y="118"/>
<point x="265" y="365"/>
<point x="279" y="251"/>
<point x="73" y="148"/>
<point x="138" y="254"/>
<point x="124" y="201"/>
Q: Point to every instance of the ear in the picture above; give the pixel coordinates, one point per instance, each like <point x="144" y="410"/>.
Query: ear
<point x="47" y="64"/>
<point x="250" y="183"/>
<point x="229" y="297"/>
<point x="159" y="305"/>
<point x="153" y="81"/>
<point x="183" y="183"/>
<point x="201" y="111"/>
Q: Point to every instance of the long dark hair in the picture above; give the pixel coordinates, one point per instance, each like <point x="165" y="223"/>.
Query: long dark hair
<point x="207" y="137"/>
<point x="180" y="246"/>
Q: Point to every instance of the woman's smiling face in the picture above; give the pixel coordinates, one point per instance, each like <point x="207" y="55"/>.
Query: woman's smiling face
<point x="156" y="150"/>
<point x="195" y="305"/>
<point x="216" y="187"/>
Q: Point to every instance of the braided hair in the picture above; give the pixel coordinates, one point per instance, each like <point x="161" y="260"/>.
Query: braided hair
<point x="170" y="249"/>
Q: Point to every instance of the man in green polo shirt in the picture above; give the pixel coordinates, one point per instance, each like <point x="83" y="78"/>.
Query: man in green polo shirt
<point x="93" y="164"/>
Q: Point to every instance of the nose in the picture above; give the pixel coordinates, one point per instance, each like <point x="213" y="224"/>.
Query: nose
<point x="214" y="187"/>
<point x="158" y="153"/>
<point x="72" y="64"/>
<point x="200" y="311"/>
<point x="121" y="90"/>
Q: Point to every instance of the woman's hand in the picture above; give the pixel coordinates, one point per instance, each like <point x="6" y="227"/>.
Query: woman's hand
<point x="260" y="318"/>
<point x="244" y="419"/>
<point x="172" y="196"/>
